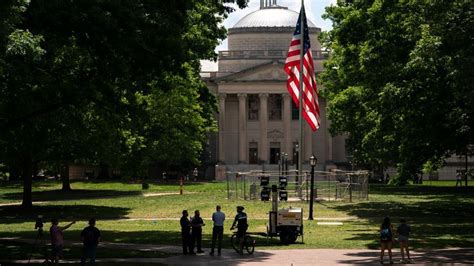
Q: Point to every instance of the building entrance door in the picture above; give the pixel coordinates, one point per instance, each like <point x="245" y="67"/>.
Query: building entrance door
<point x="274" y="155"/>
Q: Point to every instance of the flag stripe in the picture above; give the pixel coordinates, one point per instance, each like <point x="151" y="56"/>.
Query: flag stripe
<point x="292" y="68"/>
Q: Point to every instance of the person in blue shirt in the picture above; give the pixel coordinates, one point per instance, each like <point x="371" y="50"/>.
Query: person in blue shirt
<point x="218" y="218"/>
<point x="242" y="226"/>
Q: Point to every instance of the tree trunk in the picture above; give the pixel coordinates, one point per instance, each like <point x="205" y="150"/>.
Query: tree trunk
<point x="104" y="171"/>
<point x="27" y="183"/>
<point x="65" y="178"/>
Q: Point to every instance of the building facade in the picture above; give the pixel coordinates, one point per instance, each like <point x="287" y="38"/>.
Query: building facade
<point x="258" y="121"/>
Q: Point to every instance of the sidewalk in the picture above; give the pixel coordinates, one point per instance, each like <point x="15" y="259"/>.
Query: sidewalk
<point x="451" y="256"/>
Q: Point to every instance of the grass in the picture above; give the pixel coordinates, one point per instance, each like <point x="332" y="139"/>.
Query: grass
<point x="440" y="214"/>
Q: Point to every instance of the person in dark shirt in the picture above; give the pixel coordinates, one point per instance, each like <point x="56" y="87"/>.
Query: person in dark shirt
<point x="386" y="239"/>
<point x="403" y="231"/>
<point x="90" y="237"/>
<point x="197" y="223"/>
<point x="186" y="233"/>
<point x="242" y="226"/>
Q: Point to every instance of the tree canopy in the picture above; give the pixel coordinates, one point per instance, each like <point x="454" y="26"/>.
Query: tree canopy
<point x="105" y="81"/>
<point x="400" y="80"/>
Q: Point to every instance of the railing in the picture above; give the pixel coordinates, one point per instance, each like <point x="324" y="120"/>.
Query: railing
<point x="267" y="54"/>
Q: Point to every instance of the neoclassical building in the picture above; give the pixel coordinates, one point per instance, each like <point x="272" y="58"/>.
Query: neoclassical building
<point x="257" y="118"/>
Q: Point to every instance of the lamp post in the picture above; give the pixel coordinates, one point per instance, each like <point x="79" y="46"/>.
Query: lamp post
<point x="195" y="174"/>
<point x="285" y="164"/>
<point x="297" y="150"/>
<point x="312" y="160"/>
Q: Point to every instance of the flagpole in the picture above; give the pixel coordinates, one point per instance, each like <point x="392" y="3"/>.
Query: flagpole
<point x="301" y="82"/>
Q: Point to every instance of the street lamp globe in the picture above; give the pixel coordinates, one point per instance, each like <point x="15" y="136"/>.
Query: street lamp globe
<point x="313" y="160"/>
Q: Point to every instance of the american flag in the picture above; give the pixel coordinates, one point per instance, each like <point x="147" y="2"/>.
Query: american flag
<point x="292" y="68"/>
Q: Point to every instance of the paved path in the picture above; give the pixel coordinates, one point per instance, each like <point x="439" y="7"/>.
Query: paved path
<point x="452" y="256"/>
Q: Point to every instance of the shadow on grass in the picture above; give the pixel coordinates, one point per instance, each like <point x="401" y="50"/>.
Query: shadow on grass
<point x="148" y="237"/>
<point x="438" y="257"/>
<point x="75" y="194"/>
<point x="440" y="218"/>
<point x="141" y="237"/>
<point x="11" y="250"/>
<point x="428" y="191"/>
<point x="15" y="214"/>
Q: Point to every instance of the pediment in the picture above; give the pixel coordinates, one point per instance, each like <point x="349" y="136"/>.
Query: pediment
<point x="275" y="134"/>
<point x="272" y="71"/>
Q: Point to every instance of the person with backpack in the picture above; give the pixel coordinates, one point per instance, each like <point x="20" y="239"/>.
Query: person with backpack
<point x="403" y="231"/>
<point x="90" y="237"/>
<point x="242" y="226"/>
<point x="386" y="239"/>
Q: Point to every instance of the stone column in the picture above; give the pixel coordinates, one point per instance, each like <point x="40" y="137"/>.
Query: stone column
<point x="329" y="140"/>
<point x="221" y="155"/>
<point x="263" y="150"/>
<point x="242" y="127"/>
<point x="288" y="144"/>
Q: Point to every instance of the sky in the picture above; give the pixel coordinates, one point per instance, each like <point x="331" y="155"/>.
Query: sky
<point x="314" y="11"/>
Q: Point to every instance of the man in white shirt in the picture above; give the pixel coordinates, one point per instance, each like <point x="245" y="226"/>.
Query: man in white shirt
<point x="218" y="218"/>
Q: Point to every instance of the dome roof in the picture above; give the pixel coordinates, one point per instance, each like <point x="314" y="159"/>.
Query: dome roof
<point x="275" y="16"/>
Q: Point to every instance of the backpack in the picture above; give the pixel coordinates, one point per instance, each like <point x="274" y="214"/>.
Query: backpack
<point x="385" y="234"/>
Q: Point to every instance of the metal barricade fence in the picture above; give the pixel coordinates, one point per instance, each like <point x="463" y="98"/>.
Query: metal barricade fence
<point x="329" y="186"/>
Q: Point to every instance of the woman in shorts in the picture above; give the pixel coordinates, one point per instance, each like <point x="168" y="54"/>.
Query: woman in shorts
<point x="386" y="239"/>
<point x="403" y="231"/>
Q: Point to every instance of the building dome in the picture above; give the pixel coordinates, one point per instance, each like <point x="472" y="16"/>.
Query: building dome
<point x="270" y="17"/>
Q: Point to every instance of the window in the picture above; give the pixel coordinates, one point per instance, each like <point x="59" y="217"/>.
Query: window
<point x="253" y="103"/>
<point x="295" y="112"/>
<point x="274" y="152"/>
<point x="274" y="106"/>
<point x="253" y="153"/>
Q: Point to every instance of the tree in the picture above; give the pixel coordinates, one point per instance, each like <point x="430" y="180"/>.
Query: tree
<point x="399" y="80"/>
<point x="75" y="90"/>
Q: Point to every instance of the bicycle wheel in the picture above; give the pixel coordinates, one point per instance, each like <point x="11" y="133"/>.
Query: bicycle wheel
<point x="249" y="244"/>
<point x="234" y="241"/>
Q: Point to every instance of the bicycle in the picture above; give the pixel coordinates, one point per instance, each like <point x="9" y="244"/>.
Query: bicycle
<point x="249" y="243"/>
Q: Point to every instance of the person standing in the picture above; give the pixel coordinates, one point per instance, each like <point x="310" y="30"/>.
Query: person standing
<point x="403" y="231"/>
<point x="196" y="236"/>
<point x="386" y="239"/>
<point x="186" y="233"/>
<point x="90" y="237"/>
<point x="218" y="218"/>
<point x="57" y="239"/>
<point x="242" y="226"/>
<point x="458" y="179"/>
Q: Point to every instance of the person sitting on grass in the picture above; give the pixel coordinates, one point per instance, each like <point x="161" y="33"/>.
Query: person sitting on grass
<point x="90" y="237"/>
<point x="242" y="226"/>
<point x="386" y="239"/>
<point x="403" y="231"/>
<point x="57" y="240"/>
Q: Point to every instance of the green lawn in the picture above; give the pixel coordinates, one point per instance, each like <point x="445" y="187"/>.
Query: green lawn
<point x="440" y="214"/>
